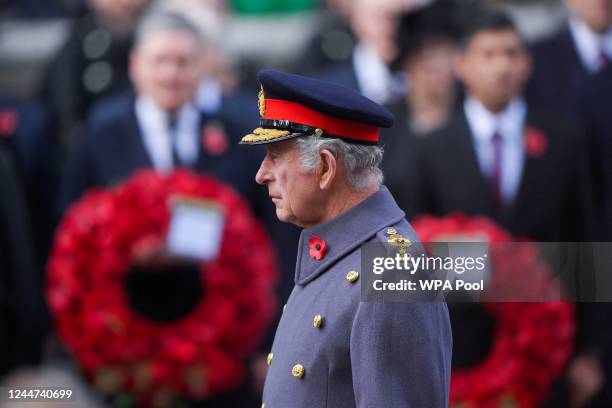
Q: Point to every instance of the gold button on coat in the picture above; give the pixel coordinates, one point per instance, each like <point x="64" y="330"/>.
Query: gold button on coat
<point x="352" y="276"/>
<point x="269" y="359"/>
<point x="297" y="371"/>
<point x="317" y="321"/>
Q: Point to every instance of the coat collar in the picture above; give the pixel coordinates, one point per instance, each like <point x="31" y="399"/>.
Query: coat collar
<point x="345" y="233"/>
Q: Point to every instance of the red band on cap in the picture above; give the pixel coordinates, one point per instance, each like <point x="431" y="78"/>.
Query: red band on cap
<point x="294" y="112"/>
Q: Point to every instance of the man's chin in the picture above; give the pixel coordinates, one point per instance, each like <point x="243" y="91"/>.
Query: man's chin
<point x="282" y="215"/>
<point x="169" y="104"/>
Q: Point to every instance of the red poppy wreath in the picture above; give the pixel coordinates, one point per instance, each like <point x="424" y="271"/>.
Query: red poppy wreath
<point x="532" y="341"/>
<point x="114" y="316"/>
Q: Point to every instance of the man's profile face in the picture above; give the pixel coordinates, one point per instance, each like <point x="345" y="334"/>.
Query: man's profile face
<point x="166" y="67"/>
<point x="293" y="192"/>
<point x="494" y="66"/>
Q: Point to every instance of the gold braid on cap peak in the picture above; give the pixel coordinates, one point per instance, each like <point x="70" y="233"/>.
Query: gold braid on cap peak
<point x="262" y="134"/>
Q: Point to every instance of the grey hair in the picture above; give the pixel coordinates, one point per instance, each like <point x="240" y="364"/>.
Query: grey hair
<point x="362" y="162"/>
<point x="166" y="21"/>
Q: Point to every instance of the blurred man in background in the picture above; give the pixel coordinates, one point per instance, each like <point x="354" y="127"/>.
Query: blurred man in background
<point x="426" y="43"/>
<point x="510" y="157"/>
<point x="374" y="23"/>
<point x="503" y="158"/>
<point x="566" y="62"/>
<point x="162" y="127"/>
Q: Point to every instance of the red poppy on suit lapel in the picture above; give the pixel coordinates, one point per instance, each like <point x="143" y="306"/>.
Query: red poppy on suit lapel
<point x="9" y="120"/>
<point x="536" y="142"/>
<point x="317" y="248"/>
<point x="214" y="138"/>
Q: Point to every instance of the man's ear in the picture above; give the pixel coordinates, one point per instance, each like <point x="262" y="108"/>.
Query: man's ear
<point x="132" y="66"/>
<point x="459" y="64"/>
<point x="327" y="169"/>
<point x="528" y="66"/>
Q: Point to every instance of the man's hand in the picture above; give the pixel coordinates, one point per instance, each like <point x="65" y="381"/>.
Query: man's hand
<point x="585" y="378"/>
<point x="259" y="367"/>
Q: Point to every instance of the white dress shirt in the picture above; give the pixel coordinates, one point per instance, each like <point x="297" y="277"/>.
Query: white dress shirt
<point x="209" y="96"/>
<point x="590" y="44"/>
<point x="510" y="124"/>
<point x="158" y="138"/>
<point x="375" y="80"/>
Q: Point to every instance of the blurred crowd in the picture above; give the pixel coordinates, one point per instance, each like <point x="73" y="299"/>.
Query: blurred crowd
<point x="503" y="109"/>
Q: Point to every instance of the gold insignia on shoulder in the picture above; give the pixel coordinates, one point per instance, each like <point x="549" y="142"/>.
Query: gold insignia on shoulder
<point x="261" y="101"/>
<point x="398" y="240"/>
<point x="317" y="322"/>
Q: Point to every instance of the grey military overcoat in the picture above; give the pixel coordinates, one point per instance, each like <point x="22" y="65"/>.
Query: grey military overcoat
<point x="334" y="350"/>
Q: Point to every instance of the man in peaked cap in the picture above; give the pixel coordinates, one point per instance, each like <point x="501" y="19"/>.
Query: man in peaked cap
<point x="322" y="171"/>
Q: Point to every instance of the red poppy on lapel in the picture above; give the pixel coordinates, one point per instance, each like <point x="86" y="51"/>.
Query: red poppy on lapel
<point x="9" y="119"/>
<point x="536" y="142"/>
<point x="214" y="139"/>
<point x="317" y="248"/>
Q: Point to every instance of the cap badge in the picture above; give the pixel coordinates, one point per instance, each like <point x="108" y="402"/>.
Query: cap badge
<point x="261" y="101"/>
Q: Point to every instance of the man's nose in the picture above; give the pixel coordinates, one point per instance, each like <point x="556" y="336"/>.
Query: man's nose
<point x="263" y="175"/>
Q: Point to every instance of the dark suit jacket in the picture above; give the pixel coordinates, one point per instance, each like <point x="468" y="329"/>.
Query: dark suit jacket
<point x="37" y="156"/>
<point x="112" y="150"/>
<point x="596" y="106"/>
<point x="558" y="75"/>
<point x="399" y="143"/>
<point x="595" y="110"/>
<point x="552" y="203"/>
<point x="553" y="199"/>
<point x="23" y="318"/>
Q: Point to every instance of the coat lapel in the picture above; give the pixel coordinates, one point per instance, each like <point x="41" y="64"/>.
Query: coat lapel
<point x="134" y="147"/>
<point x="528" y="182"/>
<point x="345" y="233"/>
<point x="476" y="185"/>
